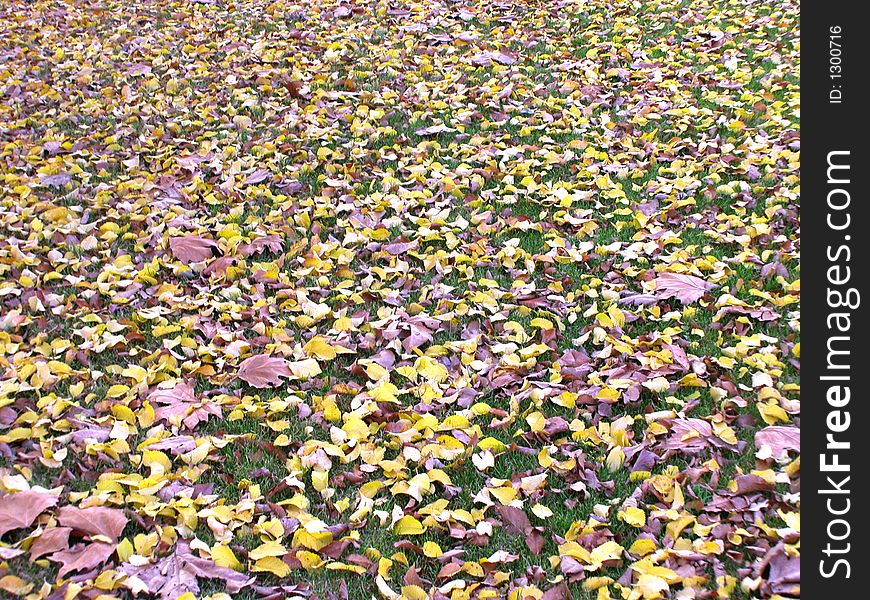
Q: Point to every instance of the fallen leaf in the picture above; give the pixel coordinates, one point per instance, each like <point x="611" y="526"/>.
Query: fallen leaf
<point x="685" y="288"/>
<point x="20" y="509"/>
<point x="52" y="539"/>
<point x="176" y="574"/>
<point x="779" y="439"/>
<point x="82" y="557"/>
<point x="94" y="520"/>
<point x="262" y="371"/>
<point x="192" y="249"/>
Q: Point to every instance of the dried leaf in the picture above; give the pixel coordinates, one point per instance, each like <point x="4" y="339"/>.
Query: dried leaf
<point x="20" y="509"/>
<point x="685" y="288"/>
<point x="263" y="371"/>
<point x="192" y="249"/>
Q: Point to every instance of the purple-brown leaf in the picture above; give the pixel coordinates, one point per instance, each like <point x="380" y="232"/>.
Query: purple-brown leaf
<point x="264" y="371"/>
<point x="685" y="288"/>
<point x="20" y="509"/>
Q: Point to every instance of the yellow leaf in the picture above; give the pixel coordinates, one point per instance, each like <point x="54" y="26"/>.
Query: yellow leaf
<point x="224" y="557"/>
<point x="454" y="422"/>
<point x="615" y="458"/>
<point x="125" y="549"/>
<point x="124" y="413"/>
<point x="504" y="494"/>
<point x="160" y="331"/>
<point x="642" y="547"/>
<point x="541" y="323"/>
<point x="136" y="373"/>
<point x="597" y="583"/>
<point x="146" y="414"/>
<point x="273" y="565"/>
<point x="340" y="566"/>
<point x="541" y="511"/>
<point x="267" y="549"/>
<point x="651" y="586"/>
<point x="384" y="566"/>
<point x="576" y="551"/>
<point x="331" y="411"/>
<point x="473" y="568"/>
<point x="608" y="394"/>
<point x="116" y="391"/>
<point x="432" y="550"/>
<point x="304" y="369"/>
<point x="493" y="445"/>
<point x="772" y="413"/>
<point x="157" y="461"/>
<point x="376" y="372"/>
<point x="633" y="516"/>
<point x="384" y="392"/>
<point x="309" y="560"/>
<point x="318" y="347"/>
<point x="408" y="525"/>
<point x="413" y="592"/>
<point x="313" y="540"/>
<point x="355" y="428"/>
<point x="430" y="369"/>
<point x="370" y="489"/>
<point x="605" y="552"/>
<point x="537" y="422"/>
<point x="320" y="480"/>
<point x="675" y="527"/>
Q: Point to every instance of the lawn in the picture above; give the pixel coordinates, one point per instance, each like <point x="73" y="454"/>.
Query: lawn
<point x="398" y="299"/>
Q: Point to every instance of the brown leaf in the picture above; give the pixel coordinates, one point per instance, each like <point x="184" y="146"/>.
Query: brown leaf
<point x="692" y="435"/>
<point x="779" y="439"/>
<point x="486" y="58"/>
<point x="177" y="573"/>
<point x="83" y="557"/>
<point x="94" y="520"/>
<point x="412" y="577"/>
<point x="21" y="509"/>
<point x="192" y="248"/>
<point x="15" y="586"/>
<point x="181" y="392"/>
<point x="785" y="571"/>
<point x="180" y="404"/>
<point x="748" y="483"/>
<point x="685" y="288"/>
<point x="57" y="180"/>
<point x="571" y="567"/>
<point x="535" y="541"/>
<point x="360" y="560"/>
<point x="258" y="176"/>
<point x="264" y="371"/>
<point x="449" y="570"/>
<point x="515" y="519"/>
<point x="270" y="242"/>
<point x="50" y="540"/>
<point x="294" y="88"/>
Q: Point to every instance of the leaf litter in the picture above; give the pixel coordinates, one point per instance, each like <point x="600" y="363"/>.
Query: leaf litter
<point x="399" y="299"/>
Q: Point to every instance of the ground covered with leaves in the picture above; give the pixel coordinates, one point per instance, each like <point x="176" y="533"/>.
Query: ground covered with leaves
<point x="442" y="299"/>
